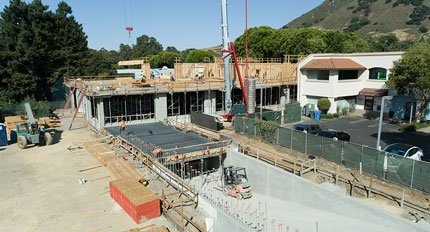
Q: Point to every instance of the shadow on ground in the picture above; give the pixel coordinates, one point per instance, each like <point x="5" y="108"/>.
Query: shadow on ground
<point x="56" y="135"/>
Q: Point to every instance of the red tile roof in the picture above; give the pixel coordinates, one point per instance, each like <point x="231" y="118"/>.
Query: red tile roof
<point x="333" y="64"/>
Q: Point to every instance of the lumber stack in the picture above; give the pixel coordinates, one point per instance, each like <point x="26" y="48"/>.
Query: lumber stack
<point x="140" y="203"/>
<point x="102" y="152"/>
<point x="118" y="166"/>
<point x="11" y="121"/>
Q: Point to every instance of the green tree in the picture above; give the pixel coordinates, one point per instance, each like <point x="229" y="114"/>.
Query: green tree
<point x="145" y="46"/>
<point x="389" y="43"/>
<point x="37" y="48"/>
<point x="125" y="52"/>
<point x="198" y="56"/>
<point x="411" y="74"/>
<point x="185" y="52"/>
<point x="164" y="59"/>
<point x="171" y="49"/>
<point x="100" y="63"/>
<point x="324" y="104"/>
<point x="268" y="42"/>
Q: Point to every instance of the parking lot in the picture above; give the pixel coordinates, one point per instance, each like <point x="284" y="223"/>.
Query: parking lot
<point x="365" y="131"/>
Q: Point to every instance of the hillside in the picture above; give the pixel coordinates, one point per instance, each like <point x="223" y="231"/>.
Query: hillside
<point x="407" y="19"/>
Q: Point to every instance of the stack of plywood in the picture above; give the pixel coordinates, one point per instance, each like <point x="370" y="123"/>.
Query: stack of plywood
<point x="135" y="199"/>
<point x="119" y="167"/>
<point x="102" y="152"/>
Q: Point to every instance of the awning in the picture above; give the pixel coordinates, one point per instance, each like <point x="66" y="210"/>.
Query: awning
<point x="333" y="64"/>
<point x="373" y="92"/>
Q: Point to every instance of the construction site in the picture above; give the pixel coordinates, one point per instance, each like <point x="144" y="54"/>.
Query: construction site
<point x="188" y="154"/>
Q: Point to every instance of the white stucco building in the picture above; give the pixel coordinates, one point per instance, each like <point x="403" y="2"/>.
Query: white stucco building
<point x="355" y="81"/>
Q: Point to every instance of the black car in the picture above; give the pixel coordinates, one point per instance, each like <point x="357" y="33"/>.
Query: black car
<point x="308" y="128"/>
<point x="336" y="135"/>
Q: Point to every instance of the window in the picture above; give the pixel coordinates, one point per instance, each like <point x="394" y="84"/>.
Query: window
<point x="412" y="152"/>
<point x="348" y="74"/>
<point x="318" y="75"/>
<point x="377" y="74"/>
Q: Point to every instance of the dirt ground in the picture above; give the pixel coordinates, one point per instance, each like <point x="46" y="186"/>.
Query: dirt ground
<point x="383" y="202"/>
<point x="39" y="188"/>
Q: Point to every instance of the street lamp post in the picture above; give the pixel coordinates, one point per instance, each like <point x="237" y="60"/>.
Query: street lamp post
<point x="380" y="120"/>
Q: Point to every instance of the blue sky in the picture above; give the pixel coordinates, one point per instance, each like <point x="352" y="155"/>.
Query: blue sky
<point x="183" y="24"/>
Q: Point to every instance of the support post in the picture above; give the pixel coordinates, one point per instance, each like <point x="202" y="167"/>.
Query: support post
<point x="412" y="174"/>
<point x="403" y="199"/>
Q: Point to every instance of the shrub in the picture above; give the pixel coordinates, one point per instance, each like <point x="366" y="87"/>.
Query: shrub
<point x="345" y="111"/>
<point x="423" y="29"/>
<point x="327" y="116"/>
<point x="408" y="127"/>
<point x="414" y="126"/>
<point x="266" y="128"/>
<point x="354" y="19"/>
<point x="336" y="115"/>
<point x="324" y="104"/>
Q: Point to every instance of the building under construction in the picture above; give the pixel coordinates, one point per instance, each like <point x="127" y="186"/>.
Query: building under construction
<point x="107" y="100"/>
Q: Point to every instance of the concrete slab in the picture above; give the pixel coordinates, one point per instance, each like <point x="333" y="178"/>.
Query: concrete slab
<point x="161" y="136"/>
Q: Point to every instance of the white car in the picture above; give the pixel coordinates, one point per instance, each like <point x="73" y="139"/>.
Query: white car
<point x="405" y="150"/>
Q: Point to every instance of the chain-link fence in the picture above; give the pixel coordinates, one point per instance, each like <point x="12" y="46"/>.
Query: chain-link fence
<point x="292" y="113"/>
<point x="386" y="166"/>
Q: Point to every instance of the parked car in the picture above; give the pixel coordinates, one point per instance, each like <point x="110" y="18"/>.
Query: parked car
<point x="405" y="150"/>
<point x="335" y="135"/>
<point x="308" y="128"/>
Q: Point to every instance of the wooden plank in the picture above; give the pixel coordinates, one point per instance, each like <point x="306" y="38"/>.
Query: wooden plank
<point x="93" y="212"/>
<point x="87" y="169"/>
<point x="100" y="178"/>
<point x="101" y="229"/>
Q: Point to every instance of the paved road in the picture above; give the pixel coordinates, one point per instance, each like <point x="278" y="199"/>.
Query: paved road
<point x="365" y="131"/>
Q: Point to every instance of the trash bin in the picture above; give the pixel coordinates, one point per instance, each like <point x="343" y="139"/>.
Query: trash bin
<point x="317" y="114"/>
<point x="3" y="135"/>
<point x="312" y="114"/>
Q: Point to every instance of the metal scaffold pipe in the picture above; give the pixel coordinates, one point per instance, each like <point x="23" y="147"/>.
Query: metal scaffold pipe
<point x="226" y="41"/>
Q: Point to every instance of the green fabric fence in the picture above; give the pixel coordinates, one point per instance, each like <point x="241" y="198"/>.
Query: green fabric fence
<point x="404" y="171"/>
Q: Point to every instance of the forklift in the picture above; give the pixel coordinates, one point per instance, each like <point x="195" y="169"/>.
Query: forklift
<point x="29" y="131"/>
<point x="236" y="183"/>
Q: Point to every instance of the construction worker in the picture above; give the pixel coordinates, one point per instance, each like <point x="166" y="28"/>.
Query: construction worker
<point x="121" y="126"/>
<point x="152" y="75"/>
<point x="200" y="76"/>
<point x="197" y="75"/>
<point x="171" y="77"/>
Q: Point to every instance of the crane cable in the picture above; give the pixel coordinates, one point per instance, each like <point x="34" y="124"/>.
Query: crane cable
<point x="128" y="28"/>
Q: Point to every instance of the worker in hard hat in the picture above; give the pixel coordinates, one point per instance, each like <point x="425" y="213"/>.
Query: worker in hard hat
<point x="121" y="126"/>
<point x="200" y="76"/>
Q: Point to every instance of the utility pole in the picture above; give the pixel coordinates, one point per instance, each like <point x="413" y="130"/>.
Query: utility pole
<point x="226" y="41"/>
<point x="378" y="141"/>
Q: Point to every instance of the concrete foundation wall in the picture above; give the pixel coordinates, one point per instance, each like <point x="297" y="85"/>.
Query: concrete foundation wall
<point x="275" y="182"/>
<point x="160" y="103"/>
<point x="209" y="103"/>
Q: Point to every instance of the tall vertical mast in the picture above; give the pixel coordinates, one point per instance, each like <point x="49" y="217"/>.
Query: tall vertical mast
<point x="225" y="42"/>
